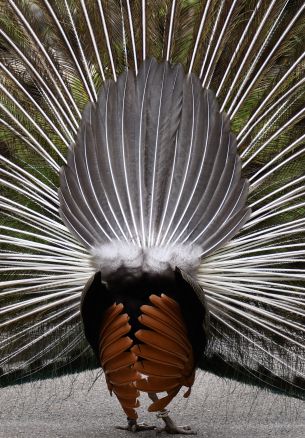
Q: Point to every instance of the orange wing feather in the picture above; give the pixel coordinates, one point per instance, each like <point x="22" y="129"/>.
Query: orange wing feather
<point x="161" y="361"/>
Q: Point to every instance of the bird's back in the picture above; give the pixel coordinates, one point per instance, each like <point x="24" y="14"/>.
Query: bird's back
<point x="148" y="334"/>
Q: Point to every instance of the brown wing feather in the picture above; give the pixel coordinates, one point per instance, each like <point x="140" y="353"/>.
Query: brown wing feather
<point x="116" y="359"/>
<point x="161" y="361"/>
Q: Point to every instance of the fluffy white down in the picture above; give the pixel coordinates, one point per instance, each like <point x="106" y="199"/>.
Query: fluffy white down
<point x="109" y="258"/>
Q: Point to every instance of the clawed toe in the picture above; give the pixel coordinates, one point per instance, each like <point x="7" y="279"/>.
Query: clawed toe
<point x="172" y="430"/>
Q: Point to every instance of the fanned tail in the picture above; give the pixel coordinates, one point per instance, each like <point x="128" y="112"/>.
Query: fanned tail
<point x="58" y="56"/>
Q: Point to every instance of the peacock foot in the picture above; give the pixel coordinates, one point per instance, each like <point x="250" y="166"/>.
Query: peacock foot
<point x="135" y="427"/>
<point x="170" y="426"/>
<point x="173" y="429"/>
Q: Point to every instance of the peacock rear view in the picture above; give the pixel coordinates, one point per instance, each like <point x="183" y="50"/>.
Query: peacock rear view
<point x="152" y="205"/>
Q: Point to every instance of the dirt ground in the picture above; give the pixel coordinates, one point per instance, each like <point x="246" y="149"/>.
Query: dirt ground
<point x="70" y="407"/>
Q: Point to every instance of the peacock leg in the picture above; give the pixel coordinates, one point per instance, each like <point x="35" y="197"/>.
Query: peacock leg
<point x="134" y="427"/>
<point x="170" y="426"/>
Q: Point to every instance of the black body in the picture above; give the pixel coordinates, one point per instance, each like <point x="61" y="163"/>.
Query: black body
<point x="133" y="293"/>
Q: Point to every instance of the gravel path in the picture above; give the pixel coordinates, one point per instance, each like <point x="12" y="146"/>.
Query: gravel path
<point x="217" y="408"/>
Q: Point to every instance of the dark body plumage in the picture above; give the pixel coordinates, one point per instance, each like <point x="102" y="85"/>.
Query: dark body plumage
<point x="97" y="297"/>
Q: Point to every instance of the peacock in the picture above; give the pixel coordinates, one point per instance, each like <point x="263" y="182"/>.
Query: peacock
<point x="152" y="193"/>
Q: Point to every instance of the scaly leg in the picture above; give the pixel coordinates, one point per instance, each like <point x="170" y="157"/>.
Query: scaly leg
<point x="170" y="427"/>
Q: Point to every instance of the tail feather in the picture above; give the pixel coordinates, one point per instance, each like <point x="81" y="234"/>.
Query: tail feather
<point x="204" y="195"/>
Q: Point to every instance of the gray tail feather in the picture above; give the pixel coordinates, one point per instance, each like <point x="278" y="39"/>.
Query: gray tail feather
<point x="154" y="165"/>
